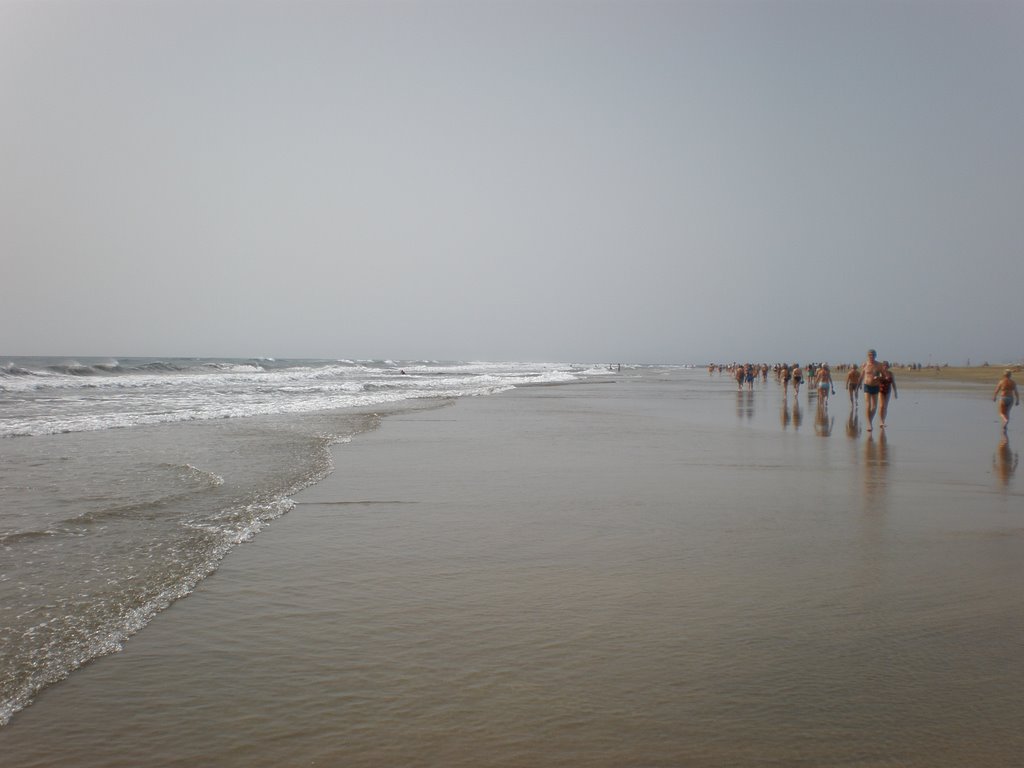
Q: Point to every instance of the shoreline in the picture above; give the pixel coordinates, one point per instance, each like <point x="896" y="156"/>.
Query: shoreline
<point x="587" y="574"/>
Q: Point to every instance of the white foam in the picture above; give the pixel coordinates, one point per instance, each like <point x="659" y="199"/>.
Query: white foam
<point x="51" y="403"/>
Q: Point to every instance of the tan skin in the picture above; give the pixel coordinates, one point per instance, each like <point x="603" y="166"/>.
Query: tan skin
<point x="853" y="384"/>
<point x="1007" y="395"/>
<point x="823" y="381"/>
<point x="871" y="371"/>
<point x="888" y="388"/>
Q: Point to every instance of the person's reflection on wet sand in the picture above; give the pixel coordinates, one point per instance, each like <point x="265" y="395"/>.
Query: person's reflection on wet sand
<point x="1005" y="460"/>
<point x="822" y="420"/>
<point x="744" y="404"/>
<point x="876" y="470"/>
<point x="784" y="414"/>
<point x="853" y="425"/>
<point x="798" y="417"/>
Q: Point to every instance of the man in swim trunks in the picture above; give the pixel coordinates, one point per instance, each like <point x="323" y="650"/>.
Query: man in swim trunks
<point x="1006" y="393"/>
<point x="798" y="377"/>
<point x="853" y="384"/>
<point x="871" y="372"/>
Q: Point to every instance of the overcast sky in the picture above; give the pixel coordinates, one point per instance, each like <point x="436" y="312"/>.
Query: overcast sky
<point x="557" y="180"/>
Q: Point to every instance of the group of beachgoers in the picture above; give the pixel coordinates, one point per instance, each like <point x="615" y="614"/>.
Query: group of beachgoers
<point x="874" y="376"/>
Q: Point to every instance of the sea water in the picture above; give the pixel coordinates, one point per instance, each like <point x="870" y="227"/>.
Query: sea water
<point x="642" y="569"/>
<point x="123" y="483"/>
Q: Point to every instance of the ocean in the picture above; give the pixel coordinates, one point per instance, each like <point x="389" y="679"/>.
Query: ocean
<point x="584" y="567"/>
<point x="123" y="483"/>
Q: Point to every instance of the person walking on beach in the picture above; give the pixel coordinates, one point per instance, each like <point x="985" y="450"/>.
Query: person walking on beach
<point x="853" y="384"/>
<point x="1007" y="395"/>
<point x="785" y="375"/>
<point x="798" y="377"/>
<point x="886" y="388"/>
<point x="823" y="381"/>
<point x="871" y="370"/>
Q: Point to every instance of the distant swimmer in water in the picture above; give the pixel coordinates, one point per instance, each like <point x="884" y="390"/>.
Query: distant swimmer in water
<point x="872" y="370"/>
<point x="1006" y="395"/>
<point x="853" y="384"/>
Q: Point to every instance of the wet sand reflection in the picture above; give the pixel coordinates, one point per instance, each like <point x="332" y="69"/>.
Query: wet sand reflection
<point x="1005" y="460"/>
<point x="876" y="470"/>
<point x="745" y="404"/>
<point x="823" y="422"/>
<point x="853" y="425"/>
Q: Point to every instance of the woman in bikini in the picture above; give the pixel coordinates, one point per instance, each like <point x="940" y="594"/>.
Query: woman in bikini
<point x="1007" y="396"/>
<point x="886" y="388"/>
<point x="823" y="380"/>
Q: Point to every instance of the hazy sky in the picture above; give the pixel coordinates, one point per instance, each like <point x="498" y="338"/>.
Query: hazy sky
<point x="558" y="180"/>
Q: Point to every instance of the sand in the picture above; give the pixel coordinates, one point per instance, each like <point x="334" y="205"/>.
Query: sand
<point x="648" y="570"/>
<point x="954" y="376"/>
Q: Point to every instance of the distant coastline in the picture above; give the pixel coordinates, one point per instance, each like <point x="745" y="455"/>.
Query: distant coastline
<point x="957" y="377"/>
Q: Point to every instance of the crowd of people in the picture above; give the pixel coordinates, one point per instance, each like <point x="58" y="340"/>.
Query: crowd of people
<point x="875" y="377"/>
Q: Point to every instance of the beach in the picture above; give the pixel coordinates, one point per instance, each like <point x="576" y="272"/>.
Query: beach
<point x="647" y="569"/>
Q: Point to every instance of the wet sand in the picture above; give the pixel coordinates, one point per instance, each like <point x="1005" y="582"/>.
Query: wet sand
<point x="654" y="570"/>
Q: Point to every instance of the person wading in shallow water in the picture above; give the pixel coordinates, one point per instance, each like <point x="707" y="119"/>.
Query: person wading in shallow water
<point x="871" y="371"/>
<point x="886" y="388"/>
<point x="1007" y="396"/>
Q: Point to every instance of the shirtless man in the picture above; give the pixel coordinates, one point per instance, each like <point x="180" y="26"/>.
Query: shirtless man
<point x="871" y="372"/>
<point x="798" y="377"/>
<point x="1006" y="392"/>
<point x="853" y="384"/>
<point x="886" y="389"/>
